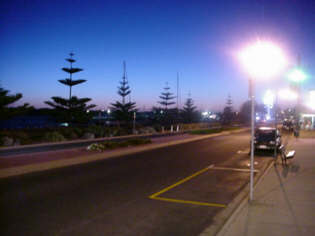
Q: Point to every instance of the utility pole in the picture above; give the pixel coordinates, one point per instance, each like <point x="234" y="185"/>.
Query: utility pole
<point x="177" y="92"/>
<point x="124" y="80"/>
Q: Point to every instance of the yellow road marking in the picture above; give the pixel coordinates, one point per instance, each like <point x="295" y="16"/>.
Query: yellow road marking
<point x="188" y="202"/>
<point x="180" y="182"/>
<point x="155" y="195"/>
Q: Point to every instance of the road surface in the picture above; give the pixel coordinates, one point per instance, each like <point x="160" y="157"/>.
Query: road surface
<point x="175" y="190"/>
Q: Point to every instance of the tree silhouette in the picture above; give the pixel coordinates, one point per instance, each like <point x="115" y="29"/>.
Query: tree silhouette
<point x="6" y="100"/>
<point x="245" y="111"/>
<point x="69" y="81"/>
<point x="123" y="111"/>
<point x="189" y="113"/>
<point x="167" y="98"/>
<point x="228" y="114"/>
<point x="74" y="109"/>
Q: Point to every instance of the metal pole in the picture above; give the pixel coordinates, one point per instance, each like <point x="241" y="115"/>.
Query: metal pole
<point x="276" y="106"/>
<point x="134" y="122"/>
<point x="251" y="183"/>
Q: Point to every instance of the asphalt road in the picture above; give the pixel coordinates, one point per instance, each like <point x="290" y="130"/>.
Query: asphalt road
<point x="112" y="197"/>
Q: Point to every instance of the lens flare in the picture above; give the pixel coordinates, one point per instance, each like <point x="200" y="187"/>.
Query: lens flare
<point x="262" y="60"/>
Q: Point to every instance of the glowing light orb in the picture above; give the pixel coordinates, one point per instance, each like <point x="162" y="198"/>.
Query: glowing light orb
<point x="262" y="59"/>
<point x="297" y="76"/>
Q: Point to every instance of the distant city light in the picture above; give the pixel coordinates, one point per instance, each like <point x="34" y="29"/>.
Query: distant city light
<point x="262" y="59"/>
<point x="108" y="111"/>
<point x="287" y="94"/>
<point x="269" y="98"/>
<point x="205" y="113"/>
<point x="311" y="102"/>
<point x="297" y="75"/>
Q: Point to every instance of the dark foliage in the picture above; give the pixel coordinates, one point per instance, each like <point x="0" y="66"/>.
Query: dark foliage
<point x="6" y="100"/>
<point x="123" y="111"/>
<point x="189" y="113"/>
<point x="228" y="114"/>
<point x="72" y="110"/>
<point x="167" y="98"/>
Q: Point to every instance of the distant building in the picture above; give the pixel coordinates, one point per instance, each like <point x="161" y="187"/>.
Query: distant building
<point x="308" y="121"/>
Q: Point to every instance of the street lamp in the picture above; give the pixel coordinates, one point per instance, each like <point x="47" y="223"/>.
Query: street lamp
<point x="261" y="60"/>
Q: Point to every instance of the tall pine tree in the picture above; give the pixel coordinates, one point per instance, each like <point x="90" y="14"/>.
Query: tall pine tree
<point x="71" y="70"/>
<point x="74" y="109"/>
<point x="228" y="115"/>
<point x="123" y="111"/>
<point x="167" y="98"/>
<point x="189" y="113"/>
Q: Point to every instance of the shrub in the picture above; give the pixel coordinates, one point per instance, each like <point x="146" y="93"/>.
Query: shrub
<point x="205" y="131"/>
<point x="68" y="133"/>
<point x="98" y="131"/>
<point x="112" y="145"/>
<point x="54" y="137"/>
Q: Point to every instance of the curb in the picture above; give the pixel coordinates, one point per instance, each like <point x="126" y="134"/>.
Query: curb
<point x="224" y="218"/>
<point x="26" y="169"/>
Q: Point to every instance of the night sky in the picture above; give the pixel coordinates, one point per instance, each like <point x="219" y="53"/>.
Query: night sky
<point x="157" y="39"/>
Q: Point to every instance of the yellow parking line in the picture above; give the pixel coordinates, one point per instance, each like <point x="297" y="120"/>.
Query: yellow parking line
<point x="188" y="202"/>
<point x="180" y="182"/>
<point x="155" y="195"/>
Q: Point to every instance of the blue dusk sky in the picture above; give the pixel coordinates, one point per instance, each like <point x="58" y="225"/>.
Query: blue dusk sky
<point x="198" y="40"/>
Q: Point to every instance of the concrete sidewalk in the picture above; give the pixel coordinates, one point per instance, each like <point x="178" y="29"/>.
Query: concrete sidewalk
<point x="284" y="201"/>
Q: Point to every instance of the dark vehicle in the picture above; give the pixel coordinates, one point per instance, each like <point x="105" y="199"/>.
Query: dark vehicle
<point x="267" y="138"/>
<point x="287" y="125"/>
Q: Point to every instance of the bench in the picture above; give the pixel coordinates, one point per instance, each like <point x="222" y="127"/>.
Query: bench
<point x="286" y="155"/>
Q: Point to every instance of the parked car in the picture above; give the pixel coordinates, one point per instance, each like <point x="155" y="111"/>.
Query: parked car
<point x="267" y="138"/>
<point x="288" y="125"/>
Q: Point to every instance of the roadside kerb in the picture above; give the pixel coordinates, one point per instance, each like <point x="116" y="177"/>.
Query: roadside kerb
<point x="224" y="218"/>
<point x="51" y="146"/>
<point x="54" y="145"/>
<point x="15" y="171"/>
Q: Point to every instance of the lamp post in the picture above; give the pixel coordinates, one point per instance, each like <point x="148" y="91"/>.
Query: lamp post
<point x="261" y="60"/>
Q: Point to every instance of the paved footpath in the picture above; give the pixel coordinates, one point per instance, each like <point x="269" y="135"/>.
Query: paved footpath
<point x="284" y="201"/>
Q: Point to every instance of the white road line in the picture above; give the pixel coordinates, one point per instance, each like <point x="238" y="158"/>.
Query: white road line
<point x="243" y="151"/>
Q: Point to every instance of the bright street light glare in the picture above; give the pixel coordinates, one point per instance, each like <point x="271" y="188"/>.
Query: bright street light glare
<point x="297" y="76"/>
<point x="287" y="94"/>
<point x="269" y="98"/>
<point x="262" y="59"/>
<point x="311" y="102"/>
